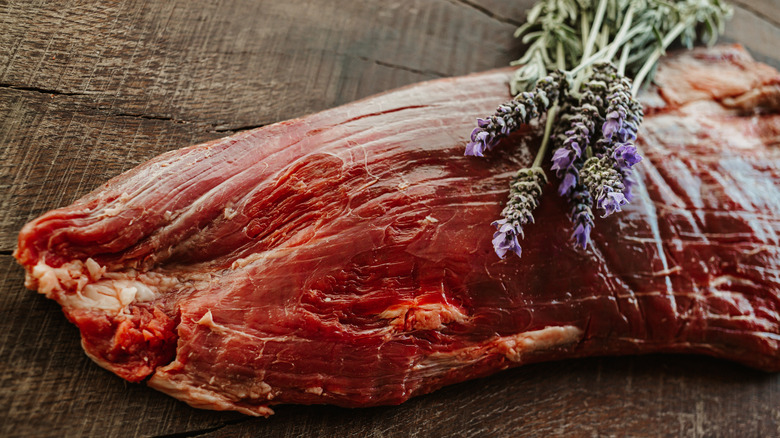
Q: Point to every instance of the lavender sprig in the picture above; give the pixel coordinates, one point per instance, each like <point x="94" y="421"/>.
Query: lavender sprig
<point x="511" y="115"/>
<point x="590" y="105"/>
<point x="568" y="160"/>
<point x="524" y="193"/>
<point x="508" y="118"/>
<point x="624" y="113"/>
<point x="584" y="119"/>
<point x="619" y="131"/>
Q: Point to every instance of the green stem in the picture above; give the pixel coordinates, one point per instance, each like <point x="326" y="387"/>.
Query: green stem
<point x="584" y="26"/>
<point x="624" y="59"/>
<point x="604" y="37"/>
<point x="560" y="56"/>
<point x="540" y="62"/>
<point x="622" y="32"/>
<point x="598" y="55"/>
<point x="594" y="30"/>
<point x="551" y="113"/>
<point x="651" y="60"/>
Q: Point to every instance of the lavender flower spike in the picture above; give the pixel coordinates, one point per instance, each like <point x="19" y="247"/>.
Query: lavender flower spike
<point x="581" y="215"/>
<point x="605" y="184"/>
<point x="524" y="193"/>
<point x="568" y="157"/>
<point x="508" y="117"/>
<point x="511" y="115"/>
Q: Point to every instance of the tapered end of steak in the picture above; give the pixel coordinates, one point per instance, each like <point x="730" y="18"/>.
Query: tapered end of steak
<point x="346" y="257"/>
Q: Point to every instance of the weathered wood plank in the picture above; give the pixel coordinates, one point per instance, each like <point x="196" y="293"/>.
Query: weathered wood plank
<point x="242" y="63"/>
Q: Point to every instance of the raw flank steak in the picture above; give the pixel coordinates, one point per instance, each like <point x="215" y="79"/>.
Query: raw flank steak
<point x="346" y="257"/>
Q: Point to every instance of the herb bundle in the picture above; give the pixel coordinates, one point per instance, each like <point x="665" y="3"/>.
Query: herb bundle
<point x="576" y="74"/>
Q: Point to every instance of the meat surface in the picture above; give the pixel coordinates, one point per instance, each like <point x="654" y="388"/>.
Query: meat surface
<point x="346" y="258"/>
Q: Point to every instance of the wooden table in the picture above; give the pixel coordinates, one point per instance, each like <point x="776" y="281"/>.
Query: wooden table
<point x="89" y="89"/>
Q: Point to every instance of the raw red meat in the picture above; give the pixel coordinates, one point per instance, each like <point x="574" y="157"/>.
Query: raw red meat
<point x="346" y="258"/>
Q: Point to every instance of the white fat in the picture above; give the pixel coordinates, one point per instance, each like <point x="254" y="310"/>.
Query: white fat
<point x="202" y="398"/>
<point x="112" y="211"/>
<point x="87" y="285"/>
<point x="144" y="293"/>
<point x="242" y="262"/>
<point x="515" y="346"/>
<point x="95" y="270"/>
<point x="429" y="220"/>
<point x="314" y="390"/>
<point x="730" y="279"/>
<point x="667" y="272"/>
<point x="47" y="279"/>
<point x="428" y="316"/>
<point x="719" y="287"/>
<point x="229" y="213"/>
<point x="119" y="205"/>
<point x="207" y="320"/>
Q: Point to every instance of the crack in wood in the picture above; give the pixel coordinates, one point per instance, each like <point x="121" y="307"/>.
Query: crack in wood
<point x="150" y="117"/>
<point x="41" y="90"/>
<point x="6" y="252"/>
<point x="218" y="127"/>
<point x="199" y="432"/>
<point x="487" y="12"/>
<point x="403" y="67"/>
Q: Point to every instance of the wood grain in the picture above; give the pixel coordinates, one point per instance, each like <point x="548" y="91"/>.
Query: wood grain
<point x="91" y="88"/>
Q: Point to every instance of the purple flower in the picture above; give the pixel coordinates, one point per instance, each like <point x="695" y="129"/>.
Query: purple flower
<point x="611" y="202"/>
<point x="473" y="149"/>
<point x="582" y="234"/>
<point x="507" y="118"/>
<point x="480" y="141"/>
<point x="562" y="159"/>
<point x="614" y="121"/>
<point x="567" y="183"/>
<point x="628" y="183"/>
<point x="605" y="184"/>
<point x="575" y="140"/>
<point x="626" y="155"/>
<point x="581" y="214"/>
<point x="524" y="193"/>
<point x="505" y="239"/>
<point x="578" y="136"/>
